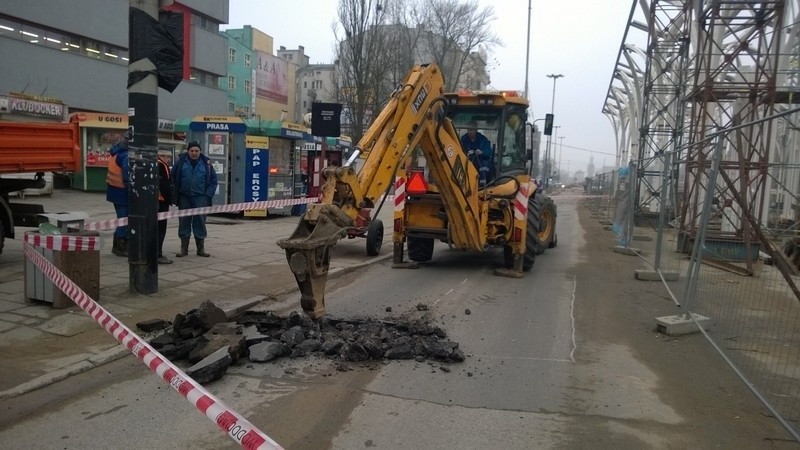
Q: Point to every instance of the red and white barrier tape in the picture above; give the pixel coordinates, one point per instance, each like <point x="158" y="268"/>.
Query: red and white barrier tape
<point x="574" y="196"/>
<point x="110" y="224"/>
<point x="63" y="243"/>
<point x="229" y="421"/>
<point x="234" y="207"/>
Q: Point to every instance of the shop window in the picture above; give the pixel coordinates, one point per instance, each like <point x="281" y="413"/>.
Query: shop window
<point x="8" y="28"/>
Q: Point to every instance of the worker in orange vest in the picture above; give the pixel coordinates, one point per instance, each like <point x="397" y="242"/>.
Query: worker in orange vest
<point x="117" y="184"/>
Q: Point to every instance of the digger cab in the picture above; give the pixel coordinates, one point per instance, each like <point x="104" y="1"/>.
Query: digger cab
<point x="500" y="117"/>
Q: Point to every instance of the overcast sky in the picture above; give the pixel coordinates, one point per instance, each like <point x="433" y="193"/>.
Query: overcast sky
<point x="576" y="38"/>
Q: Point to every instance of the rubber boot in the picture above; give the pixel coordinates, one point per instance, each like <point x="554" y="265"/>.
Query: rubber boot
<point x="122" y="250"/>
<point x="115" y="246"/>
<point x="201" y="251"/>
<point x="184" y="248"/>
<point x="164" y="260"/>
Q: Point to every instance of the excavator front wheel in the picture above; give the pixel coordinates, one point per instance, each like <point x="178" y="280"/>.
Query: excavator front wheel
<point x="374" y="237"/>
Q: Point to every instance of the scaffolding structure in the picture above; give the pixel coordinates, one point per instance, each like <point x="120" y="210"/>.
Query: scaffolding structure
<point x="712" y="101"/>
<point x="663" y="115"/>
<point x="733" y="87"/>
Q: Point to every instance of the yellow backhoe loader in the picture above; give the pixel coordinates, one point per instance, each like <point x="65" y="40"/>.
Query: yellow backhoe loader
<point x="469" y="199"/>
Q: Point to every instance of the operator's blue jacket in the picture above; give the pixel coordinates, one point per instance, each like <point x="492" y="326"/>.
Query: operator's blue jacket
<point x="197" y="180"/>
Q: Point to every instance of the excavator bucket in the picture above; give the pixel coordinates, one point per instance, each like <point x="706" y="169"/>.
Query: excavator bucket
<point x="308" y="253"/>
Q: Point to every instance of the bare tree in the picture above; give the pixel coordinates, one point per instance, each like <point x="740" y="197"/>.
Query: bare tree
<point x="456" y="31"/>
<point x="380" y="40"/>
<point x="403" y="36"/>
<point x="360" y="59"/>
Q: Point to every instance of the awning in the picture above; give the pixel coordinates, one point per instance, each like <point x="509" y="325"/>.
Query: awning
<point x="182" y="125"/>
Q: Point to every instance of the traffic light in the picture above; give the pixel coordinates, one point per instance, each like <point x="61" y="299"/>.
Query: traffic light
<point x="548" y="124"/>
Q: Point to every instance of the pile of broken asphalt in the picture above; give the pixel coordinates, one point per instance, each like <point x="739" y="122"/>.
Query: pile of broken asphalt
<point x="206" y="338"/>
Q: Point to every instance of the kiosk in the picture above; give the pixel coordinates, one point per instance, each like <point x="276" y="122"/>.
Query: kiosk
<point x="222" y="139"/>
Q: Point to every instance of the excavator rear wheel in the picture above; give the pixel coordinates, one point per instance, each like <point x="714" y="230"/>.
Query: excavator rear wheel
<point x="420" y="249"/>
<point x="532" y="243"/>
<point x="545" y="210"/>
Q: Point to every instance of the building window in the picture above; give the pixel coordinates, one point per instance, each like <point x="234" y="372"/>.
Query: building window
<point x="231" y="107"/>
<point x="247" y="58"/>
<point x="206" y="79"/>
<point x="231" y="82"/>
<point x="62" y="41"/>
<point x="305" y="84"/>
<point x="304" y="103"/>
<point x="248" y="86"/>
<point x="232" y="55"/>
<point x="205" y="23"/>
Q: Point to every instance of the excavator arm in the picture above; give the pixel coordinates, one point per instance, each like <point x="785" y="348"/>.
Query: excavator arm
<point x="413" y="118"/>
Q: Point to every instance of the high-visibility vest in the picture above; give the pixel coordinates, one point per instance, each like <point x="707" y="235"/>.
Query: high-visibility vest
<point x="114" y="174"/>
<point x="162" y="172"/>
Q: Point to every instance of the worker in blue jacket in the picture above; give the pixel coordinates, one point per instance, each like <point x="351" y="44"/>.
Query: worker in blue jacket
<point x="117" y="185"/>
<point x="195" y="185"/>
<point x="479" y="151"/>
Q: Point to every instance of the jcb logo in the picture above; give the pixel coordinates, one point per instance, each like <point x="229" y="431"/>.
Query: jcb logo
<point x="459" y="174"/>
<point x="417" y="104"/>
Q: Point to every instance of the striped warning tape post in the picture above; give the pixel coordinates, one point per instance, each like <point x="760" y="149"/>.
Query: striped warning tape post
<point x="63" y="243"/>
<point x="229" y="421"/>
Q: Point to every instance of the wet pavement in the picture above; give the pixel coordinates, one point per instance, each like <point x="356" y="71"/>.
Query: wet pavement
<point x="41" y="344"/>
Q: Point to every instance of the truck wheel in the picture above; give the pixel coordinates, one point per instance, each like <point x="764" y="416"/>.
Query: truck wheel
<point x="420" y="249"/>
<point x="545" y="210"/>
<point x="374" y="237"/>
<point x="532" y="243"/>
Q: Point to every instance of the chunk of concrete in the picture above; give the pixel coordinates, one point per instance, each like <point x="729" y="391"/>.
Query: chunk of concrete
<point x="152" y="325"/>
<point x="266" y="351"/>
<point x="630" y="251"/>
<point x="212" y="367"/>
<point x="253" y="336"/>
<point x="680" y="324"/>
<point x="212" y="342"/>
<point x="293" y="336"/>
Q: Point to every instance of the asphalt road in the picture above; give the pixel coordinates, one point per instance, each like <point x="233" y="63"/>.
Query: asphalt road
<point x="567" y="357"/>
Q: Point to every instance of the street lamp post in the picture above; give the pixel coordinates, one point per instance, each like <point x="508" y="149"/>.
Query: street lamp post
<point x="555" y="148"/>
<point x="560" y="152"/>
<point x="554" y="76"/>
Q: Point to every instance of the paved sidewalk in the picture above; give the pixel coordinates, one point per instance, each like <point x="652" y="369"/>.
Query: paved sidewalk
<point x="40" y="344"/>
